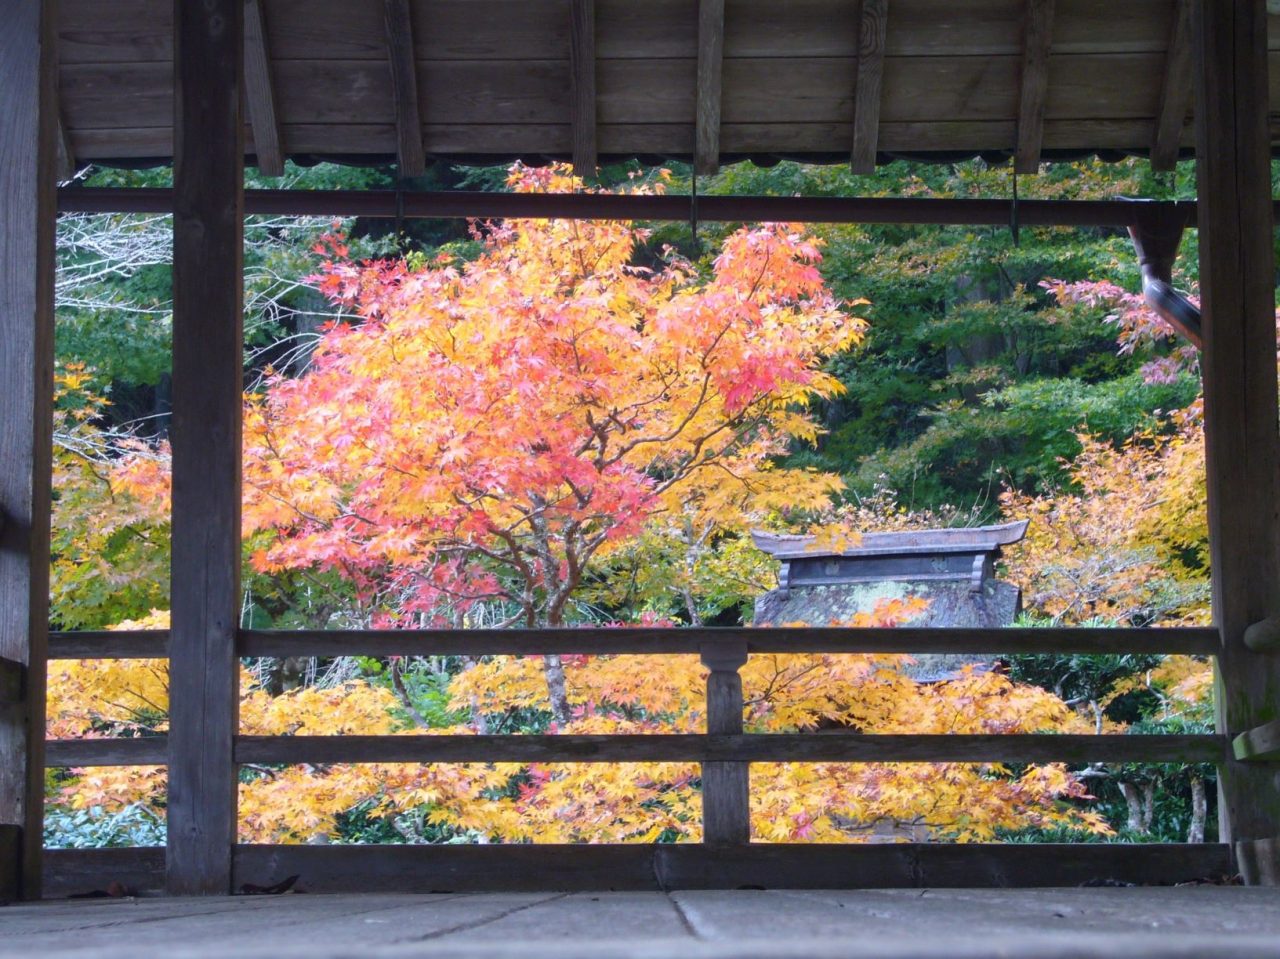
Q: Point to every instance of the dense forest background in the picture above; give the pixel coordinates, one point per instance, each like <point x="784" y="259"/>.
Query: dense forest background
<point x="1003" y="373"/>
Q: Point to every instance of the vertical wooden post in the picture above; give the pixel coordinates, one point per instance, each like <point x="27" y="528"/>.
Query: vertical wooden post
<point x="1237" y="282"/>
<point x="873" y="26"/>
<point x="28" y="152"/>
<point x="725" y="786"/>
<point x="582" y="85"/>
<point x="207" y="386"/>
<point x="706" y="134"/>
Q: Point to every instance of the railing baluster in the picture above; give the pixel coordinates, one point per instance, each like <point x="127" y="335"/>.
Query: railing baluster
<point x="725" y="786"/>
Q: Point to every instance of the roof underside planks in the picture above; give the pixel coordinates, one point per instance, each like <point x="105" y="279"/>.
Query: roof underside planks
<point x="494" y="79"/>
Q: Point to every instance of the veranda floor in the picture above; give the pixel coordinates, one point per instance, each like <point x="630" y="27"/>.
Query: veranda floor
<point x="1204" y="922"/>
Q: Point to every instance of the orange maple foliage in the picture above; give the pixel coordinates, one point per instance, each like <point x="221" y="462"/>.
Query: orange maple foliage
<point x="490" y="426"/>
<point x="484" y="432"/>
<point x="487" y="429"/>
<point x="827" y="802"/>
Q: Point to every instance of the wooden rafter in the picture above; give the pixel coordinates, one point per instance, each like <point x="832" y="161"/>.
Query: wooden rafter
<point x="404" y="89"/>
<point x="710" y="68"/>
<point x="260" y="93"/>
<point x="1175" y="91"/>
<point x="582" y="76"/>
<point x="1036" y="39"/>
<point x="872" y="29"/>
<point x="66" y="153"/>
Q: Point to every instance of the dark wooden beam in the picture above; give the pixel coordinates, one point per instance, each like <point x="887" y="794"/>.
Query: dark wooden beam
<point x="66" y="153"/>
<point x="1037" y="36"/>
<point x="1242" y="445"/>
<point x="706" y="151"/>
<point x="147" y="751"/>
<point x="28" y="153"/>
<point x="582" y="77"/>
<point x="110" y="644"/>
<point x="404" y="88"/>
<point x="208" y="237"/>
<point x="260" y="93"/>
<point x="872" y="29"/>
<point x="678" y="747"/>
<point x="154" y="643"/>
<point x="1260" y="744"/>
<point x="542" y="867"/>
<point x="140" y="870"/>
<point x="734" y="749"/>
<point x="1175" y="91"/>
<point x="906" y="640"/>
<point x="661" y="867"/>
<point x="604" y="206"/>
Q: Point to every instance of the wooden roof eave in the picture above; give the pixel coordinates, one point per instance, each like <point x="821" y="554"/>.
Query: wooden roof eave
<point x="710" y="82"/>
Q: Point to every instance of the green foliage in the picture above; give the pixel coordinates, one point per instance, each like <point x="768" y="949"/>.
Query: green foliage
<point x="364" y="823"/>
<point x="1079" y="678"/>
<point x="971" y="375"/>
<point x="95" y="828"/>
<point x="1021" y="435"/>
<point x="427" y="690"/>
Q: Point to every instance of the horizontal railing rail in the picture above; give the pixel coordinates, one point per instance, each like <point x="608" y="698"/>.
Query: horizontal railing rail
<point x="539" y="867"/>
<point x="724" y="753"/>
<point x="669" y="206"/>
<point x="110" y="644"/>
<point x="665" y="748"/>
<point x="148" y="644"/>
<point x="724" y="649"/>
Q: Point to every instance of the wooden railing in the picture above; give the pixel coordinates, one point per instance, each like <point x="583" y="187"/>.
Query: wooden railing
<point x="724" y="751"/>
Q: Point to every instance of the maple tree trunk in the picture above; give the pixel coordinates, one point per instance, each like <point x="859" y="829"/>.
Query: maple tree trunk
<point x="553" y="670"/>
<point x="1199" y="810"/>
<point x="1133" y="799"/>
<point x="551" y="615"/>
<point x="478" y="721"/>
<point x="690" y="564"/>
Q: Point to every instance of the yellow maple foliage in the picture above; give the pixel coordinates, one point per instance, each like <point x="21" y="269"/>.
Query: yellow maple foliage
<point x="637" y="802"/>
<point x="1129" y="543"/>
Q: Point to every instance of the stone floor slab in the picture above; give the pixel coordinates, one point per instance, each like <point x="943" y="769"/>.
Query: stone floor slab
<point x="1133" y="923"/>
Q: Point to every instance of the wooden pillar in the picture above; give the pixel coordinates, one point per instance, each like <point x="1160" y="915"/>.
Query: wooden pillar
<point x="1237" y="282"/>
<point x="725" y="786"/>
<point x="207" y="386"/>
<point x="28" y="153"/>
